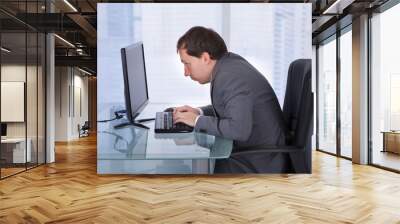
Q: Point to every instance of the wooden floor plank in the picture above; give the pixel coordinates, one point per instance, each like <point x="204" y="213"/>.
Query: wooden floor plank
<point x="70" y="191"/>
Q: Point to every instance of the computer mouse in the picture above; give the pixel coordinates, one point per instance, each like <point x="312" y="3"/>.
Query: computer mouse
<point x="169" y="109"/>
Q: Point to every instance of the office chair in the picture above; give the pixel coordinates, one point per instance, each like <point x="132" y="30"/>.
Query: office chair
<point x="84" y="130"/>
<point x="298" y="92"/>
<point x="295" y="156"/>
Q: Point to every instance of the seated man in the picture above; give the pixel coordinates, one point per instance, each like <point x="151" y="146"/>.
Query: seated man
<point x="244" y="106"/>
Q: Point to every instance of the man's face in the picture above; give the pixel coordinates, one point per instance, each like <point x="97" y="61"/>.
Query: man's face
<point x="199" y="69"/>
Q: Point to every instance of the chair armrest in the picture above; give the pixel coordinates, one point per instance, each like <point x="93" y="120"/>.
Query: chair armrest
<point x="267" y="149"/>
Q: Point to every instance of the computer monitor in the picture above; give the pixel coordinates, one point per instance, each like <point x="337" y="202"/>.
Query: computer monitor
<point x="135" y="82"/>
<point x="3" y="130"/>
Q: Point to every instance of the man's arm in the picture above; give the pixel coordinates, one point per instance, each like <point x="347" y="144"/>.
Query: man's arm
<point x="238" y="110"/>
<point x="207" y="110"/>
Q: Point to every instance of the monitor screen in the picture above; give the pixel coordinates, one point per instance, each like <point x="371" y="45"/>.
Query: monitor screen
<point x="3" y="129"/>
<point x="135" y="81"/>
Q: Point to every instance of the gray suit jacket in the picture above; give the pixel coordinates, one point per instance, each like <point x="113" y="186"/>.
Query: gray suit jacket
<point x="244" y="106"/>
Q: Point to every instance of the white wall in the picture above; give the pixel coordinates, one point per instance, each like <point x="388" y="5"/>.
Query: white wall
<point x="79" y="117"/>
<point x="15" y="72"/>
<point x="61" y="103"/>
<point x="12" y="100"/>
<point x="70" y="83"/>
<point x="33" y="105"/>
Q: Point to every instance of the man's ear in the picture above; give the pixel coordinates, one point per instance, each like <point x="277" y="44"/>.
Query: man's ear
<point x="205" y="57"/>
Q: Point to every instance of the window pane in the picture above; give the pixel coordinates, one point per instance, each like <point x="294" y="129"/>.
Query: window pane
<point x="385" y="86"/>
<point x="22" y="79"/>
<point x="346" y="94"/>
<point x="272" y="23"/>
<point x="31" y="100"/>
<point x="327" y="97"/>
<point x="13" y="87"/>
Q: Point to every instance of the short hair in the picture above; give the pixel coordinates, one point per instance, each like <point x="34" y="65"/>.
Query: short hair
<point x="198" y="40"/>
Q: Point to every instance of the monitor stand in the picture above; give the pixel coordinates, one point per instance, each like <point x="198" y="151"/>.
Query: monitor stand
<point x="124" y="124"/>
<point x="135" y="122"/>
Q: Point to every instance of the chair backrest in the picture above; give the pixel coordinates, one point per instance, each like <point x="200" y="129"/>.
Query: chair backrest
<point x="305" y="115"/>
<point x="302" y="162"/>
<point x="297" y="72"/>
<point x="86" y="126"/>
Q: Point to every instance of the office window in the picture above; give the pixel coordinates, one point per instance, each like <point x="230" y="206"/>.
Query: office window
<point x="22" y="94"/>
<point x="31" y="100"/>
<point x="346" y="93"/>
<point x="327" y="96"/>
<point x="385" y="87"/>
<point x="164" y="65"/>
<point x="13" y="87"/>
<point x="269" y="26"/>
<point x="282" y="36"/>
<point x="114" y="35"/>
<point x="263" y="33"/>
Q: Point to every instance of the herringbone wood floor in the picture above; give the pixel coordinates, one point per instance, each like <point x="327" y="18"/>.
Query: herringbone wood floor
<point x="70" y="191"/>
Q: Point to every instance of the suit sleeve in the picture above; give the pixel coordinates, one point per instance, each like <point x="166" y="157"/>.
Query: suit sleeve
<point x="207" y="110"/>
<point x="237" y="122"/>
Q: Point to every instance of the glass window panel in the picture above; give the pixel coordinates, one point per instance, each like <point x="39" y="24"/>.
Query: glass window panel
<point x="327" y="96"/>
<point x="346" y="94"/>
<point x="31" y="97"/>
<point x="13" y="87"/>
<point x="385" y="85"/>
<point x="272" y="23"/>
<point x="31" y="86"/>
<point x="22" y="63"/>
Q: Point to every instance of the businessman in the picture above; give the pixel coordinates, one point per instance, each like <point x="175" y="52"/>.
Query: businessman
<point x="244" y="106"/>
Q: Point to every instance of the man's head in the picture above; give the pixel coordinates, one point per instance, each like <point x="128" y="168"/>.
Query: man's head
<point x="199" y="49"/>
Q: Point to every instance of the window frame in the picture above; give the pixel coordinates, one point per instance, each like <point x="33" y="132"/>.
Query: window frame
<point x="334" y="37"/>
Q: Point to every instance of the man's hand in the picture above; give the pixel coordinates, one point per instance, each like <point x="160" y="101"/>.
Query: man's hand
<point x="186" y="108"/>
<point x="187" y="117"/>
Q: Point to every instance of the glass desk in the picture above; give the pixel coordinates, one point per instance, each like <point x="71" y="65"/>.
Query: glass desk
<point x="134" y="150"/>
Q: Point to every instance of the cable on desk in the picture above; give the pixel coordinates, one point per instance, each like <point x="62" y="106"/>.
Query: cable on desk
<point x="118" y="115"/>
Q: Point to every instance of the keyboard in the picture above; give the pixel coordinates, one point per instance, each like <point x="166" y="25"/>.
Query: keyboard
<point x="165" y="124"/>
